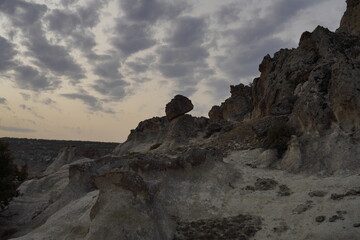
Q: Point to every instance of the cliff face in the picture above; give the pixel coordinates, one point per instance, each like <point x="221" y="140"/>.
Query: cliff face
<point x="279" y="159"/>
<point x="350" y="22"/>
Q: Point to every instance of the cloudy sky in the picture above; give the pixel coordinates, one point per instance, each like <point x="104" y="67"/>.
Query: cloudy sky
<point x="92" y="69"/>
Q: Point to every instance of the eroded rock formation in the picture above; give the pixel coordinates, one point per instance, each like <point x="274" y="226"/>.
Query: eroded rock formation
<point x="277" y="160"/>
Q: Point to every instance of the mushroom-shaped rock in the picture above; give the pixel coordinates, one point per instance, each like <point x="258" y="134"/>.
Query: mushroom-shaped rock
<point x="178" y="106"/>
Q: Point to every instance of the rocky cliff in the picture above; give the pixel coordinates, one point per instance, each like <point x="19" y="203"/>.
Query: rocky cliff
<point x="279" y="159"/>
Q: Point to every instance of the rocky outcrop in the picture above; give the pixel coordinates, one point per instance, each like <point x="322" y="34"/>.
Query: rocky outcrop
<point x="178" y="106"/>
<point x="234" y="108"/>
<point x="158" y="134"/>
<point x="350" y="22"/>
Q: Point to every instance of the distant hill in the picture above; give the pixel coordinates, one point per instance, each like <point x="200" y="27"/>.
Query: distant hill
<point x="38" y="154"/>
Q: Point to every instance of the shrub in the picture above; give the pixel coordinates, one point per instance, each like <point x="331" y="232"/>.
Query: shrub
<point x="10" y="176"/>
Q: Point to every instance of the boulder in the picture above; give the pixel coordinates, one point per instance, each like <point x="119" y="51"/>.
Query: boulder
<point x="178" y="106"/>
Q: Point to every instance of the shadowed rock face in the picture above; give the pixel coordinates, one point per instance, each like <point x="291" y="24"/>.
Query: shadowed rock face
<point x="235" y="107"/>
<point x="350" y="22"/>
<point x="178" y="106"/>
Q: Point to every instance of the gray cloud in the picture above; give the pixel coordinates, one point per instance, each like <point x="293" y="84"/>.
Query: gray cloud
<point x="8" y="53"/>
<point x="184" y="57"/>
<point x="219" y="88"/>
<point x="31" y="110"/>
<point x="56" y="58"/>
<point x="138" y="67"/>
<point x="134" y="31"/>
<point x="27" y="77"/>
<point x="48" y="101"/>
<point x="141" y="65"/>
<point x="132" y="37"/>
<point x="24" y="107"/>
<point x="108" y="68"/>
<point x="63" y="21"/>
<point x="22" y="13"/>
<point x="94" y="104"/>
<point x="187" y="31"/>
<point x="25" y="96"/>
<point x="75" y="26"/>
<point x="3" y="100"/>
<point x="53" y="57"/>
<point x="67" y="3"/>
<point x="246" y="45"/>
<point x="152" y="10"/>
<point x="16" y="129"/>
<point x="114" y="90"/>
<point x="242" y="61"/>
<point x="279" y="14"/>
<point x="89" y="14"/>
<point x="189" y="54"/>
<point x="228" y="14"/>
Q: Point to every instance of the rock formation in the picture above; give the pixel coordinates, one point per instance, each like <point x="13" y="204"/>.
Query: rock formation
<point x="235" y="107"/>
<point x="350" y="22"/>
<point x="178" y="106"/>
<point x="279" y="159"/>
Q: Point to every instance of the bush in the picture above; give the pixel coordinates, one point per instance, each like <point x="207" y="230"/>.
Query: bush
<point x="278" y="137"/>
<point x="10" y="176"/>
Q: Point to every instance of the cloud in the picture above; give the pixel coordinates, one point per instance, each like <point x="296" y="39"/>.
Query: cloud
<point x="184" y="56"/>
<point x="108" y="68"/>
<point x="25" y="96"/>
<point x="94" y="104"/>
<point x="152" y="10"/>
<point x="242" y="61"/>
<point x="114" y="90"/>
<point x="27" y="77"/>
<point x="22" y="13"/>
<point x="31" y="110"/>
<point x="27" y="16"/>
<point x="219" y="88"/>
<point x="244" y="46"/>
<point x="24" y="107"/>
<point x="7" y="55"/>
<point x="132" y="37"/>
<point x="3" y="101"/>
<point x="16" y="129"/>
<point x="141" y="65"/>
<point x="134" y="31"/>
<point x="62" y="21"/>
<point x="187" y="31"/>
<point x="53" y="57"/>
<point x="228" y="14"/>
<point x="48" y="101"/>
<point x="89" y="14"/>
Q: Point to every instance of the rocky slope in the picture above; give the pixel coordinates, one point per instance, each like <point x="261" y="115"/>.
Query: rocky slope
<point x="277" y="160"/>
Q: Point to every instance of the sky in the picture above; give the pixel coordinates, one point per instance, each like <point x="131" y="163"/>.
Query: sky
<point x="93" y="69"/>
